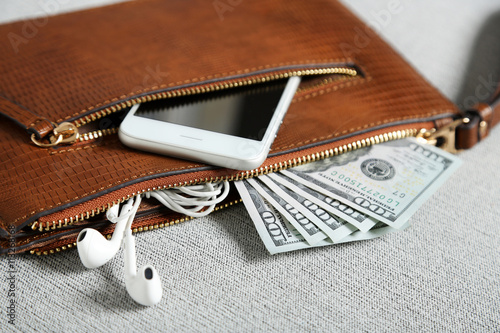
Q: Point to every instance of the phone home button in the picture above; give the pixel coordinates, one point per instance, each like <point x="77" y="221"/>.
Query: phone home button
<point x="191" y="137"/>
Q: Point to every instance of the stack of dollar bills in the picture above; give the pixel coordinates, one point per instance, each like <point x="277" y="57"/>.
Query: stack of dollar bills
<point x="359" y="195"/>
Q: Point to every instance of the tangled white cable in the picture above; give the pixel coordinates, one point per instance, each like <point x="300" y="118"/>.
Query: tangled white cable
<point x="195" y="201"/>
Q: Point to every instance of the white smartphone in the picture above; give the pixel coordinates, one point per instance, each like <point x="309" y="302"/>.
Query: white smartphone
<point x="233" y="128"/>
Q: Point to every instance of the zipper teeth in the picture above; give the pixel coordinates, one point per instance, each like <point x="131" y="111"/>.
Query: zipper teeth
<point x="322" y="83"/>
<point x="134" y="230"/>
<point x="212" y="87"/>
<point x="52" y="251"/>
<point x="385" y="137"/>
<point x="97" y="134"/>
<point x="381" y="138"/>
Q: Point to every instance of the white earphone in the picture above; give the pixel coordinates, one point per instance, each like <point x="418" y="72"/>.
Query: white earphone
<point x="144" y="286"/>
<point x="94" y="249"/>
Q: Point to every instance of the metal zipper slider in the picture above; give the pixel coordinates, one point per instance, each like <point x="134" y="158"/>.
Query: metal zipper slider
<point x="64" y="133"/>
<point x="444" y="137"/>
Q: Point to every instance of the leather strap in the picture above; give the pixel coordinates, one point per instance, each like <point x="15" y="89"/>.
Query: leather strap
<point x="483" y="117"/>
<point x="32" y="122"/>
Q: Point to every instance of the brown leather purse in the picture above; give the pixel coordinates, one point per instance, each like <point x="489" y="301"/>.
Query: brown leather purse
<point x="64" y="90"/>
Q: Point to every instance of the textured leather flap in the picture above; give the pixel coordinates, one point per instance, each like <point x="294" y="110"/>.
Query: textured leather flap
<point x="106" y="58"/>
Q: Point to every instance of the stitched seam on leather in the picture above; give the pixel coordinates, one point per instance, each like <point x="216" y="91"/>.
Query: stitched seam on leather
<point x="34" y="238"/>
<point x="246" y="70"/>
<point x="192" y="166"/>
<point x="104" y="188"/>
<point x="306" y="96"/>
<point x="60" y="151"/>
<point x="351" y="130"/>
<point x="36" y="122"/>
<point x="22" y="107"/>
<point x="350" y="83"/>
<point x="39" y="236"/>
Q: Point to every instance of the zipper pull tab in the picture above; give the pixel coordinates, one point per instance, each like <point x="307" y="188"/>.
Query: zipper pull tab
<point x="444" y="137"/>
<point x="64" y="133"/>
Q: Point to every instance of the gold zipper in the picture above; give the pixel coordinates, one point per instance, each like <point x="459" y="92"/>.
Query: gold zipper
<point x="135" y="230"/>
<point x="429" y="136"/>
<point x="444" y="135"/>
<point x="97" y="134"/>
<point x="69" y="133"/>
<point x="52" y="251"/>
<point x="321" y="83"/>
<point x="389" y="136"/>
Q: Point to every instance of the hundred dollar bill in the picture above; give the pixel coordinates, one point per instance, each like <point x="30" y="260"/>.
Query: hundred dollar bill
<point x="279" y="235"/>
<point x="359" y="220"/>
<point x="309" y="230"/>
<point x="379" y="230"/>
<point x="335" y="228"/>
<point x="275" y="231"/>
<point x="387" y="181"/>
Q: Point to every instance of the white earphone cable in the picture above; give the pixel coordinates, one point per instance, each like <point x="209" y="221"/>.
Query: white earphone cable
<point x="195" y="201"/>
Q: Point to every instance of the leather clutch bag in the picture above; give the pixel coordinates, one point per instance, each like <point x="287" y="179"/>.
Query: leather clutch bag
<point x="65" y="89"/>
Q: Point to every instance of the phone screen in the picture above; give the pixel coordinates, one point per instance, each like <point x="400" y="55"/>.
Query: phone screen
<point x="243" y="112"/>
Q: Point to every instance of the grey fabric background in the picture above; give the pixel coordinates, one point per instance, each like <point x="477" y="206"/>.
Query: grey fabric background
<point x="442" y="274"/>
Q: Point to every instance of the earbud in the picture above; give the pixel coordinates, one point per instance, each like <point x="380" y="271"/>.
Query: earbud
<point x="112" y="213"/>
<point x="94" y="249"/>
<point x="144" y="286"/>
